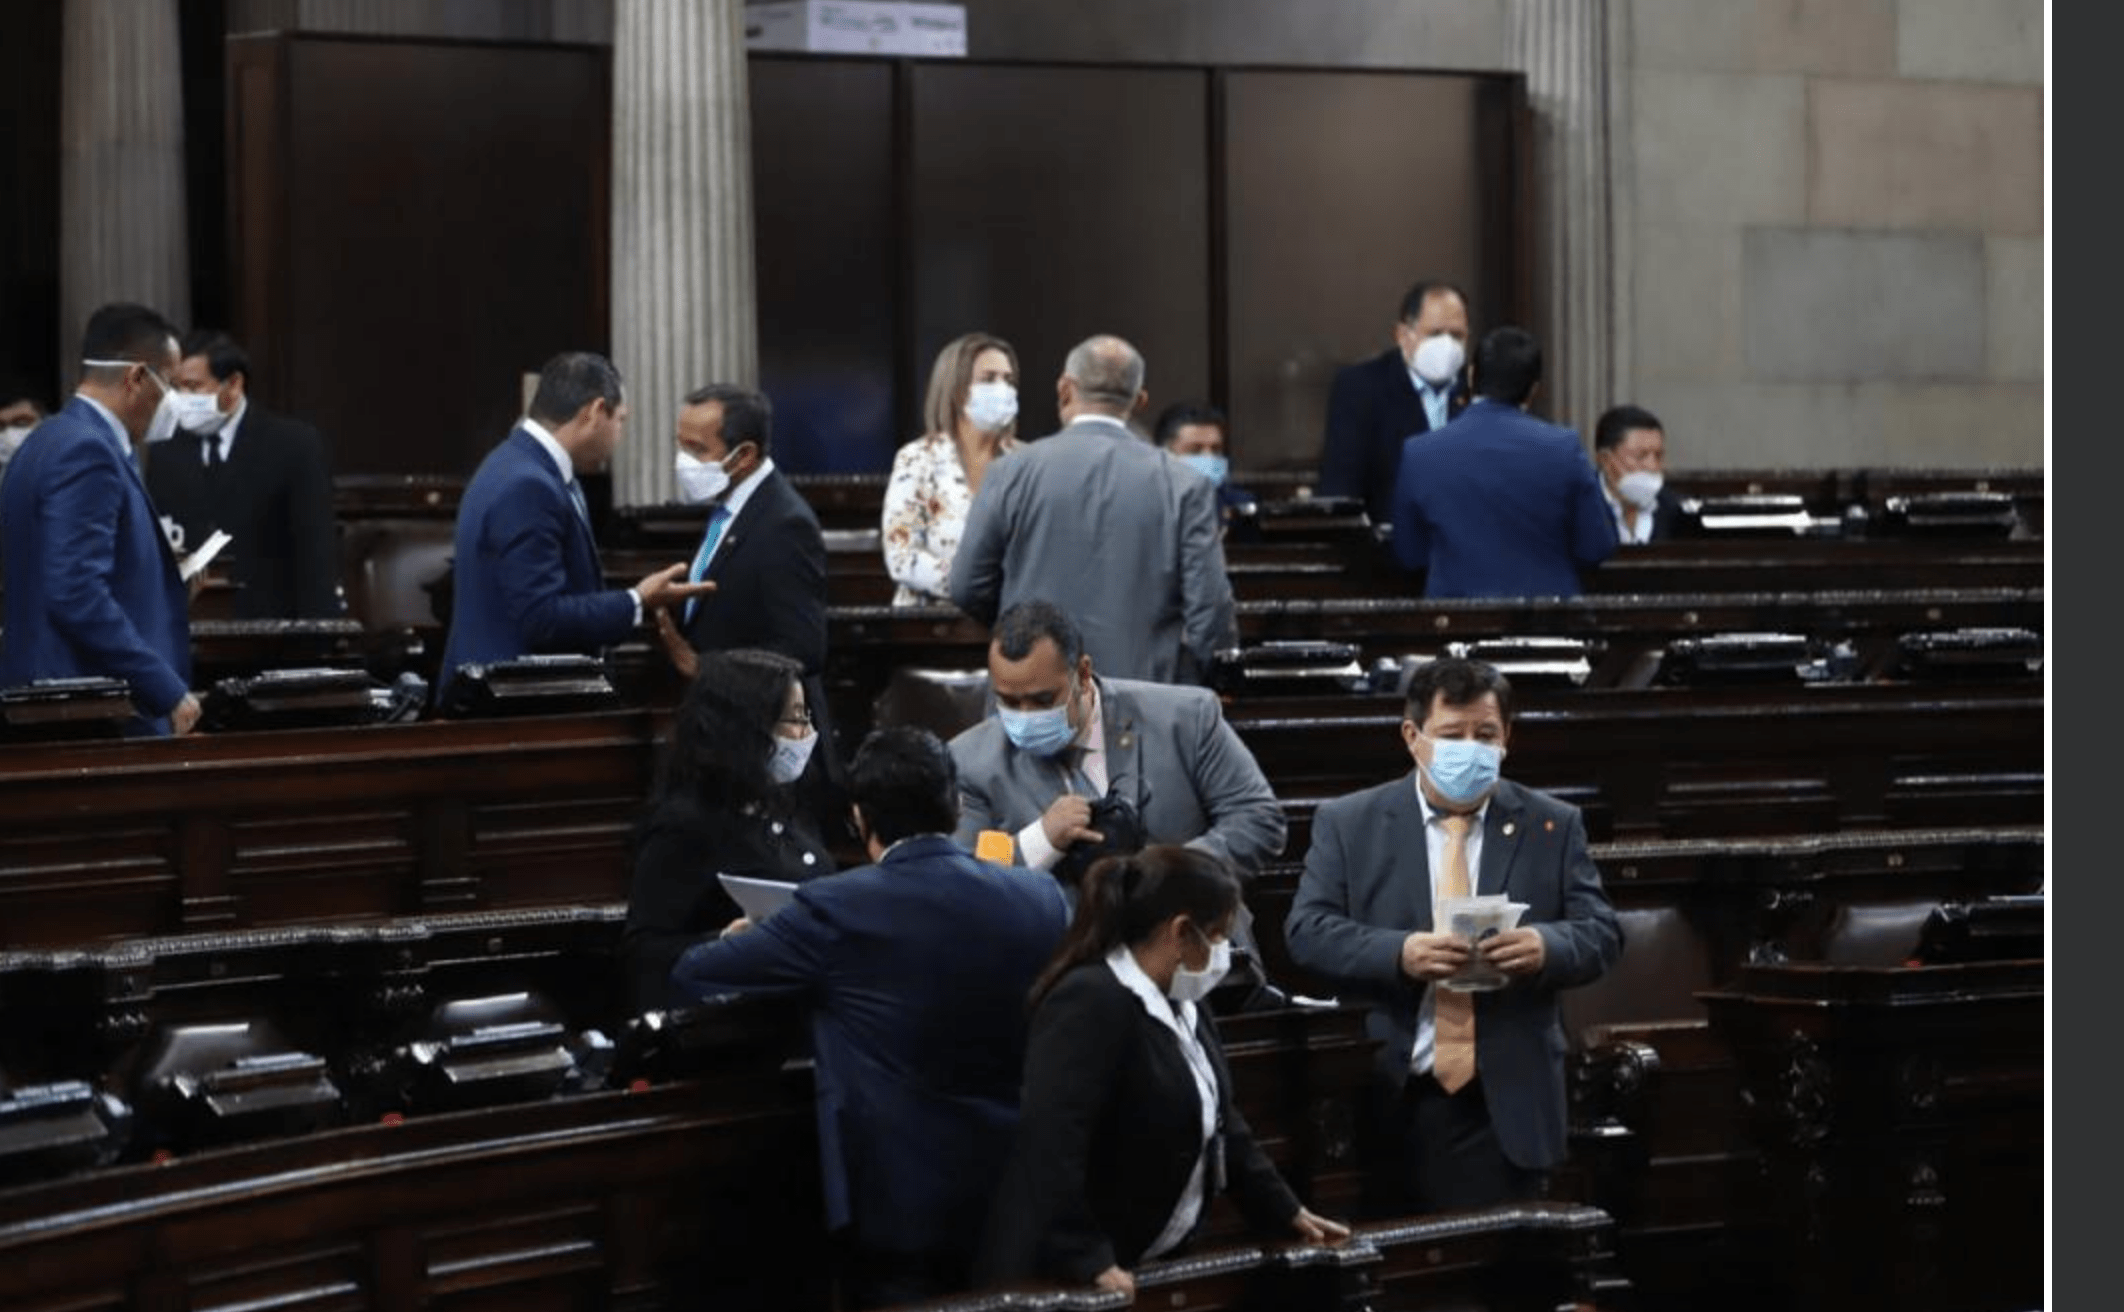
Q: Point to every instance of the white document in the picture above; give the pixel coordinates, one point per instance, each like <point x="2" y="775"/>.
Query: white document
<point x="1475" y="919"/>
<point x="758" y="898"/>
<point x="189" y="567"/>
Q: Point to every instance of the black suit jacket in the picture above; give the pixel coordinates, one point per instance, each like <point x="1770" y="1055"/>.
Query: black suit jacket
<point x="770" y="580"/>
<point x="1666" y="515"/>
<point x="675" y="899"/>
<point x="1108" y="1132"/>
<point x="1372" y="409"/>
<point x="274" y="500"/>
<point x="770" y="592"/>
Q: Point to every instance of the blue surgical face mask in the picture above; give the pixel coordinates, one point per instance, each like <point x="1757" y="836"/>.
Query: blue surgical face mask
<point x="1213" y="467"/>
<point x="1043" y="733"/>
<point x="1462" y="770"/>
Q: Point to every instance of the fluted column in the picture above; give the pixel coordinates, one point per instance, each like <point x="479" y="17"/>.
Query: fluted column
<point x="121" y="165"/>
<point x="683" y="307"/>
<point x="1581" y="305"/>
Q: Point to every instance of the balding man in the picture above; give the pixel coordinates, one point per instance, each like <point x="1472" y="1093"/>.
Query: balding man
<point x="1119" y="534"/>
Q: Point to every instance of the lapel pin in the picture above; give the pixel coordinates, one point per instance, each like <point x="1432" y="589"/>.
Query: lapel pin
<point x="1126" y="741"/>
<point x="1509" y="827"/>
<point x="1549" y="825"/>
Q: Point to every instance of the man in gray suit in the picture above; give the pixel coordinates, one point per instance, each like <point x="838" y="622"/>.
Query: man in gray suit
<point x="1121" y="535"/>
<point x="1470" y="1112"/>
<point x="1063" y="735"/>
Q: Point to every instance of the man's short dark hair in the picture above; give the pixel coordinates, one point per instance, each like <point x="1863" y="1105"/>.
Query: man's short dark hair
<point x="125" y="331"/>
<point x="1019" y="629"/>
<point x="748" y="416"/>
<point x="1507" y="365"/>
<point x="1608" y="432"/>
<point x="570" y="381"/>
<point x="1412" y="303"/>
<point x="1180" y="414"/>
<point x="905" y="782"/>
<point x="1462" y="681"/>
<point x="225" y="359"/>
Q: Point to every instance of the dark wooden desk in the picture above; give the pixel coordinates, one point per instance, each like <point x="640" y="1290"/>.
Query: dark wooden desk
<point x="1899" y="1114"/>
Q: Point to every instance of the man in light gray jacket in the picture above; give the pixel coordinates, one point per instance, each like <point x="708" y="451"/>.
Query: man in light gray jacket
<point x="1121" y="535"/>
<point x="1063" y="736"/>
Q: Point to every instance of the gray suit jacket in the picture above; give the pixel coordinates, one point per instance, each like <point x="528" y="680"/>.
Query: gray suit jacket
<point x="1167" y="748"/>
<point x="1120" y="535"/>
<point x="1367" y="884"/>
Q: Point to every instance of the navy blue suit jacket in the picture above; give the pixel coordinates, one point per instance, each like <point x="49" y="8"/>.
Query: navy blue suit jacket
<point x="92" y="586"/>
<point x="1367" y="885"/>
<point x="526" y="577"/>
<point x="917" y="969"/>
<point x="1372" y="409"/>
<point x="1500" y="504"/>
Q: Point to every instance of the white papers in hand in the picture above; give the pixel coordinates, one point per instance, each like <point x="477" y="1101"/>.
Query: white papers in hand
<point x="1475" y="919"/>
<point x="189" y="567"/>
<point x="758" y="898"/>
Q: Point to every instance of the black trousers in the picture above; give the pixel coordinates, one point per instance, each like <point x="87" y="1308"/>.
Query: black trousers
<point x="1435" y="1151"/>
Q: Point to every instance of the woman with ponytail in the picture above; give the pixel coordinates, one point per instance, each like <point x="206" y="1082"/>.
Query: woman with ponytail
<point x="1129" y="1129"/>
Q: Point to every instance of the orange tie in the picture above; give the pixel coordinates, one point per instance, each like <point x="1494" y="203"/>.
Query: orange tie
<point x="1453" y="1059"/>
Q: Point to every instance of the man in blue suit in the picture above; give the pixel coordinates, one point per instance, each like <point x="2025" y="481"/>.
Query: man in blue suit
<point x="526" y="575"/>
<point x="1469" y="1106"/>
<point x="917" y="969"/>
<point x="1499" y="503"/>
<point x="92" y="586"/>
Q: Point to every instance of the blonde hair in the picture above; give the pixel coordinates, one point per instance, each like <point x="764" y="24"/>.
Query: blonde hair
<point x="952" y="375"/>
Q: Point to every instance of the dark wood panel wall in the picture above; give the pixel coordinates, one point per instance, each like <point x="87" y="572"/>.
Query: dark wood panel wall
<point x="414" y="223"/>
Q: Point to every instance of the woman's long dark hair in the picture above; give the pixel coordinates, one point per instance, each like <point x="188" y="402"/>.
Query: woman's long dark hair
<point x="1124" y="899"/>
<point x="723" y="735"/>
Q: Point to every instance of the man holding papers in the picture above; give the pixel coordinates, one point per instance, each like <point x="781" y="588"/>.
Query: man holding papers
<point x="92" y="586"/>
<point x="1470" y="1111"/>
<point x="917" y="969"/>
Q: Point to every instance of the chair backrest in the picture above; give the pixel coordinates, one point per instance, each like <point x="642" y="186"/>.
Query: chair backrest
<point x="941" y="701"/>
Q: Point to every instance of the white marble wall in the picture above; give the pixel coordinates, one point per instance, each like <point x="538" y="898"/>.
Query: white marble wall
<point x="1838" y="251"/>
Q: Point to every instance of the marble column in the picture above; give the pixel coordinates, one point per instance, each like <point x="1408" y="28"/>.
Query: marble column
<point x="121" y="166"/>
<point x="1582" y="310"/>
<point x="683" y="305"/>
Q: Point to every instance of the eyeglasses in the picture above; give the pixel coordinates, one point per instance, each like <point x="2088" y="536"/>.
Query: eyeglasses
<point x="802" y="719"/>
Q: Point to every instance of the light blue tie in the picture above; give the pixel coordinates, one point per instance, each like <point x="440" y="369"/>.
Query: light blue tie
<point x="716" y="519"/>
<point x="582" y="503"/>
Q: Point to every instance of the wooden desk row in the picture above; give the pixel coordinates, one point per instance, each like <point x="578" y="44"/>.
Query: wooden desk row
<point x="111" y="838"/>
<point x="1892" y="1159"/>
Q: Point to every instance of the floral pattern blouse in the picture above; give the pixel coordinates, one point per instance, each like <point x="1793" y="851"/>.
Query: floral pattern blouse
<point x="926" y="501"/>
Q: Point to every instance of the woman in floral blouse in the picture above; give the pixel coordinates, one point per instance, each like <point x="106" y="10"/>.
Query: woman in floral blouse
<point x="971" y="414"/>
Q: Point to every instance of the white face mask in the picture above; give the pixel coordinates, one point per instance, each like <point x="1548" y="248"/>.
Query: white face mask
<point x="701" y="480"/>
<point x="991" y="406"/>
<point x="1640" y="487"/>
<point x="790" y="757"/>
<point x="1438" y="358"/>
<point x="10" y="438"/>
<point x="163" y="426"/>
<point x="1195" y="985"/>
<point x="197" y="412"/>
